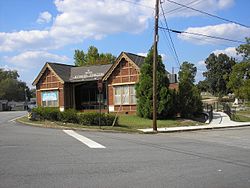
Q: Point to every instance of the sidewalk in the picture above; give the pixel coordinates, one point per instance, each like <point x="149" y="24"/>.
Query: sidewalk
<point x="220" y="120"/>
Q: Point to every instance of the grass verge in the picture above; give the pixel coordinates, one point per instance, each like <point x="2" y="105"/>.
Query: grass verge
<point x="127" y="123"/>
<point x="242" y="116"/>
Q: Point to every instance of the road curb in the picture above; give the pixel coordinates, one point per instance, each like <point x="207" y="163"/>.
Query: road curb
<point x="193" y="128"/>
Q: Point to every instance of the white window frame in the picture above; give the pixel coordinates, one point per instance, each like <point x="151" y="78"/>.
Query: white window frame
<point x="125" y="91"/>
<point x="50" y="103"/>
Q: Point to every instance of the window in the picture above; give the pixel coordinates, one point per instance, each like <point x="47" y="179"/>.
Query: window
<point x="125" y="94"/>
<point x="50" y="98"/>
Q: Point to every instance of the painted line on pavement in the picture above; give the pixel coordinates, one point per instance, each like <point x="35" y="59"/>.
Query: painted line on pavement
<point x="83" y="139"/>
<point x="14" y="119"/>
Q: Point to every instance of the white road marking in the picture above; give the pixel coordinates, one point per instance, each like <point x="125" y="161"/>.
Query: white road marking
<point x="13" y="120"/>
<point x="83" y="139"/>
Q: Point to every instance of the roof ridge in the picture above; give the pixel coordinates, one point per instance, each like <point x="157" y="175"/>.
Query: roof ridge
<point x="93" y="65"/>
<point x="134" y="54"/>
<point x="54" y="63"/>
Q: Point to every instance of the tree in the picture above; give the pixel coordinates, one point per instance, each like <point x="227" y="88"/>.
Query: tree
<point x="10" y="87"/>
<point x="189" y="96"/>
<point x="203" y="86"/>
<point x="92" y="57"/>
<point x="144" y="90"/>
<point x="239" y="80"/>
<point x="80" y="58"/>
<point x="219" y="68"/>
<point x="244" y="50"/>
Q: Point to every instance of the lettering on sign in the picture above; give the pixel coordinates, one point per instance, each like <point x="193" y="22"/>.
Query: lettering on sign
<point x="88" y="74"/>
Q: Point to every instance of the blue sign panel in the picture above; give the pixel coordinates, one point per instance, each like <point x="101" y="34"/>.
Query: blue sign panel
<point x="49" y="95"/>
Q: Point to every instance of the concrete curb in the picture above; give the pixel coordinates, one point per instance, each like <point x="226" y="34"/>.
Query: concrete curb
<point x="72" y="128"/>
<point x="192" y="128"/>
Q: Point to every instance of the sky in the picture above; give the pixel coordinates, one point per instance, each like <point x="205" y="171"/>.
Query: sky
<point x="33" y="32"/>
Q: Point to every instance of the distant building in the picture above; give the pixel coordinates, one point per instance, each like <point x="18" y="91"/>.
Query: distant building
<point x="66" y="86"/>
<point x="4" y="105"/>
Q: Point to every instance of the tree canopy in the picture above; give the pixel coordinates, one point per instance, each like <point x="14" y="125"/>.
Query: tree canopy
<point x="239" y="80"/>
<point x="92" y="57"/>
<point x="219" y="68"/>
<point x="144" y="91"/>
<point x="189" y="95"/>
<point x="11" y="88"/>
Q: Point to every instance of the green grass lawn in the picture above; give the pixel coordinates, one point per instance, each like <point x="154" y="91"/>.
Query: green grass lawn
<point x="242" y="116"/>
<point x="127" y="123"/>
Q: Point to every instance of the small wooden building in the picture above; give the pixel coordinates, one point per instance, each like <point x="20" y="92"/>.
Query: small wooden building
<point x="66" y="86"/>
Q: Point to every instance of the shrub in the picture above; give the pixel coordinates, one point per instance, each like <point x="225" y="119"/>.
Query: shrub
<point x="68" y="116"/>
<point x="71" y="116"/>
<point x="92" y="118"/>
<point x="48" y="113"/>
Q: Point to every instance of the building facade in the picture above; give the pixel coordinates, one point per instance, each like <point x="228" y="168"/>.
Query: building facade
<point x="111" y="87"/>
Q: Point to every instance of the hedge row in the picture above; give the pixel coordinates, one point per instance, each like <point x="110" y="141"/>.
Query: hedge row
<point x="72" y="116"/>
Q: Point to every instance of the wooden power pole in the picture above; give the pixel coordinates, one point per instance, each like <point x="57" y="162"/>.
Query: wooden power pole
<point x="155" y="62"/>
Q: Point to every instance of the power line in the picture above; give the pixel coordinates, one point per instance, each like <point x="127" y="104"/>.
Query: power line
<point x="136" y="3"/>
<point x="179" y="8"/>
<point x="177" y="58"/>
<point x="203" y="35"/>
<point x="209" y="14"/>
<point x="168" y="43"/>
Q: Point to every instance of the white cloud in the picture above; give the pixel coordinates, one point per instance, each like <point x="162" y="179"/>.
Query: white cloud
<point x="24" y="40"/>
<point x="230" y="31"/>
<point x="230" y="51"/>
<point x="78" y="20"/>
<point x="31" y="59"/>
<point x="44" y="17"/>
<point x="211" y="6"/>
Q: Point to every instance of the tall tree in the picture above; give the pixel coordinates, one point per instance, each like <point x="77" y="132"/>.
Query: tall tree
<point x="11" y="88"/>
<point x="144" y="92"/>
<point x="219" y="68"/>
<point x="244" y="50"/>
<point x="239" y="80"/>
<point x="189" y="95"/>
<point x="80" y="58"/>
<point x="92" y="57"/>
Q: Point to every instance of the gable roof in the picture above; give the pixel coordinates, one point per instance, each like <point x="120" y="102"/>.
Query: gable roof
<point x="62" y="71"/>
<point x="137" y="60"/>
<point x="70" y="73"/>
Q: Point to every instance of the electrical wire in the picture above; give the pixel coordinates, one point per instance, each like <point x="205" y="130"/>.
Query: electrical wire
<point x="209" y="14"/>
<point x="203" y="35"/>
<point x="136" y="3"/>
<point x="173" y="47"/>
<point x="179" y="8"/>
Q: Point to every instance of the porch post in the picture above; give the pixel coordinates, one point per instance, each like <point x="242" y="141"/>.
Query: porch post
<point x="74" y="100"/>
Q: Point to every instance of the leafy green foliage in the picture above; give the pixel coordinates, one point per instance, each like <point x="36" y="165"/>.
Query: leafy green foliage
<point x="189" y="96"/>
<point x="48" y="113"/>
<point x="239" y="80"/>
<point x="203" y="86"/>
<point x="92" y="57"/>
<point x="166" y="104"/>
<point x="92" y="118"/>
<point x="219" y="68"/>
<point x="72" y="116"/>
<point x="244" y="50"/>
<point x="11" y="88"/>
<point x="68" y="116"/>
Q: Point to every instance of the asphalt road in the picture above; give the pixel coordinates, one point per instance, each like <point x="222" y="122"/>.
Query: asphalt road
<point x="38" y="157"/>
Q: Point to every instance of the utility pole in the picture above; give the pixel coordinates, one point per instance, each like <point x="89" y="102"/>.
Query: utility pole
<point x="155" y="62"/>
